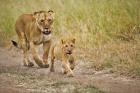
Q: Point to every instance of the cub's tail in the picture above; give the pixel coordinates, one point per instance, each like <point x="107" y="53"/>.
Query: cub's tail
<point x="15" y="43"/>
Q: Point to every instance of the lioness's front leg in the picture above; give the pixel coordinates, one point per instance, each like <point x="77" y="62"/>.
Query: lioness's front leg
<point x="26" y="60"/>
<point x="52" y="64"/>
<point x="23" y="44"/>
<point x="36" y="56"/>
<point x="46" y="48"/>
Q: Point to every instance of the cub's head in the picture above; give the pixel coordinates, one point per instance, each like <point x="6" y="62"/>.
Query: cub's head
<point x="68" y="46"/>
<point x="44" y="20"/>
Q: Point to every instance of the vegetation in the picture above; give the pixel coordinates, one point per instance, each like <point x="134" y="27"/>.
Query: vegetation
<point x="107" y="31"/>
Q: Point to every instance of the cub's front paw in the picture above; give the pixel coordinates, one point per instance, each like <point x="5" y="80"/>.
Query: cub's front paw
<point x="52" y="70"/>
<point x="64" y="71"/>
<point x="70" y="75"/>
<point x="30" y="64"/>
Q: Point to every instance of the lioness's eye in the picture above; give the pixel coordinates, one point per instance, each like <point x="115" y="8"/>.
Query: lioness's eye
<point x="41" y="20"/>
<point x="49" y="20"/>
<point x="66" y="45"/>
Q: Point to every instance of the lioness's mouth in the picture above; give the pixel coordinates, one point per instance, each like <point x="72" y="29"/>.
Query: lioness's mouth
<point x="46" y="32"/>
<point x="69" y="53"/>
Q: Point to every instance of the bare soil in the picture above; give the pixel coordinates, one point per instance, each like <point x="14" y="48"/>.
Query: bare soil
<point x="15" y="78"/>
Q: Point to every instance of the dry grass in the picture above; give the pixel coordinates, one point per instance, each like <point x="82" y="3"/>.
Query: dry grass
<point x="122" y="57"/>
<point x="108" y="29"/>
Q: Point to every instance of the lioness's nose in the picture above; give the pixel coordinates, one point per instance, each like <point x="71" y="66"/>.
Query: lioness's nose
<point x="46" y="28"/>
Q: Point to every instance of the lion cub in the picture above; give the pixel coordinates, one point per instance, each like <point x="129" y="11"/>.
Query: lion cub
<point x="64" y="51"/>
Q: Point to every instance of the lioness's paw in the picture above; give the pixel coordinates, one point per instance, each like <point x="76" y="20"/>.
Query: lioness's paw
<point x="46" y="65"/>
<point x="30" y="64"/>
<point x="65" y="72"/>
<point x="41" y="65"/>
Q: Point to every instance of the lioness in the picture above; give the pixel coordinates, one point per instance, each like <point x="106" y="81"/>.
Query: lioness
<point x="64" y="51"/>
<point x="32" y="30"/>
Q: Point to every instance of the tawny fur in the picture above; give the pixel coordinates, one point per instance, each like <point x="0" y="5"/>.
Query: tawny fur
<point x="29" y="28"/>
<point x="64" y="50"/>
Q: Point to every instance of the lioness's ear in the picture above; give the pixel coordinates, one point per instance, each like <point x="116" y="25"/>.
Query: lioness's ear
<point x="73" y="40"/>
<point x="35" y="15"/>
<point x="51" y="13"/>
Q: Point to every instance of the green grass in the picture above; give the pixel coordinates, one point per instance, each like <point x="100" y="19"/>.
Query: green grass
<point x="95" y="24"/>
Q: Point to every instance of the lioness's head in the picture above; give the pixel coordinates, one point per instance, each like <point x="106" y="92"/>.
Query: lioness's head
<point x="68" y="46"/>
<point x="44" y="20"/>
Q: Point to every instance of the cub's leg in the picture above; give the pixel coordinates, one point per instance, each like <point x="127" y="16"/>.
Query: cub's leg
<point x="35" y="55"/>
<point x="72" y="63"/>
<point x="67" y="69"/>
<point x="46" y="48"/>
<point x="64" y="70"/>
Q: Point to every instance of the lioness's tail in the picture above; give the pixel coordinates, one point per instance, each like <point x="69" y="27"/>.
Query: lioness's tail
<point x="15" y="43"/>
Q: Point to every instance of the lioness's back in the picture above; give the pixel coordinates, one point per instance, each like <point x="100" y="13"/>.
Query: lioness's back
<point x="22" y="21"/>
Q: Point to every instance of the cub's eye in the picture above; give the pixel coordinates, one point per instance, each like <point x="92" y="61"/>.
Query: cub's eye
<point x="66" y="45"/>
<point x="41" y="20"/>
<point x="71" y="45"/>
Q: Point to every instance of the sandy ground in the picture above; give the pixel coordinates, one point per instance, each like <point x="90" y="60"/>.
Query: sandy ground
<point x="15" y="78"/>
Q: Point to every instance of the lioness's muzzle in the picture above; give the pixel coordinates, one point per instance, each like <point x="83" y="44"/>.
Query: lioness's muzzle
<point x="46" y="31"/>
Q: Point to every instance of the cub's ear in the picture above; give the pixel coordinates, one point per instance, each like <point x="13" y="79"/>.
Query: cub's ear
<point x="73" y="40"/>
<point x="62" y="41"/>
<point x="50" y="11"/>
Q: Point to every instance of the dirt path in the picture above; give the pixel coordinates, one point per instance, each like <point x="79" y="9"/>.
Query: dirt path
<point x="14" y="78"/>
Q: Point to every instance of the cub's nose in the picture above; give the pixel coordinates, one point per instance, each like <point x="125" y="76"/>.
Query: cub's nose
<point x="69" y="52"/>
